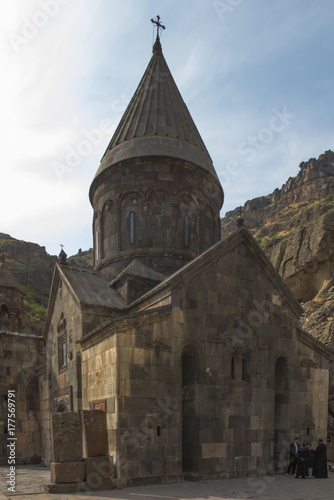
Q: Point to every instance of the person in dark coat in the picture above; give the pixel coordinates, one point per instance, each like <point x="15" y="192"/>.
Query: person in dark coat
<point x="304" y="460"/>
<point x="293" y="451"/>
<point x="320" y="460"/>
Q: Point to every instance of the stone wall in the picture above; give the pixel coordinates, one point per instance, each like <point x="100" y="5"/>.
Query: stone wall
<point x="99" y="379"/>
<point x="45" y="408"/>
<point x="20" y="356"/>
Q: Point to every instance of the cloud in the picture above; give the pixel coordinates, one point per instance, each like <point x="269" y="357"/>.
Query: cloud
<point x="80" y="65"/>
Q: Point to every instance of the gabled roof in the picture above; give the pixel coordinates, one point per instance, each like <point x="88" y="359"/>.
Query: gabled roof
<point x="157" y="122"/>
<point x="91" y="288"/>
<point x="206" y="259"/>
<point x="139" y="270"/>
<point x="88" y="288"/>
<point x="8" y="280"/>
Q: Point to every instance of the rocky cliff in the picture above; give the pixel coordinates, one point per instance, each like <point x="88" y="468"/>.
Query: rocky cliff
<point x="295" y="226"/>
<point x="314" y="181"/>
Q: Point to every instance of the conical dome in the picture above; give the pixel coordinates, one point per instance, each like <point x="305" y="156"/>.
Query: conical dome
<point x="157" y="122"/>
<point x="156" y="195"/>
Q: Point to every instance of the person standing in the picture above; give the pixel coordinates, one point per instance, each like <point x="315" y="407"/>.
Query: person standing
<point x="320" y="460"/>
<point x="293" y="451"/>
<point x="304" y="461"/>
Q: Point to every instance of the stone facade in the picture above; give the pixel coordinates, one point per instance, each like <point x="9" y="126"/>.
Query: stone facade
<point x="211" y="375"/>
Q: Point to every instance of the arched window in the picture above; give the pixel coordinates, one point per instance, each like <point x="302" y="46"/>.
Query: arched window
<point x="97" y="254"/>
<point x="132" y="228"/>
<point x="4" y="316"/>
<point x="109" y="230"/>
<point x="186" y="230"/>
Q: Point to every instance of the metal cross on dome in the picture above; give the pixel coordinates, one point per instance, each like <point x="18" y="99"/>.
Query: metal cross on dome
<point x="158" y="25"/>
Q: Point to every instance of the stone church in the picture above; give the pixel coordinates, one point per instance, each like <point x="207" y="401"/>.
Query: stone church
<point x="188" y="343"/>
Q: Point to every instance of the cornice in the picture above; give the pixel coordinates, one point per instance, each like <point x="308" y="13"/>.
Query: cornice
<point x="124" y="323"/>
<point x="315" y="344"/>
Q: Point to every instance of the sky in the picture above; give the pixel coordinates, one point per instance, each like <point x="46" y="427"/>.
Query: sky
<point x="257" y="77"/>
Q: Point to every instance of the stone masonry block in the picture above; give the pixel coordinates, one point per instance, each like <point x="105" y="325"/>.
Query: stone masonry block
<point x="99" y="473"/>
<point x="95" y="435"/>
<point x="238" y="422"/>
<point x="257" y="449"/>
<point x="67" y="472"/>
<point x="64" y="488"/>
<point x="66" y="432"/>
<point x="214" y="450"/>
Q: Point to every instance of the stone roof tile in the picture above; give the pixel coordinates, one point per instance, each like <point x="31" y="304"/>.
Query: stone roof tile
<point x="91" y="288"/>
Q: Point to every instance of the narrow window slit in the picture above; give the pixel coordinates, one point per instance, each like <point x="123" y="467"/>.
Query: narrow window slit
<point x="186" y="230"/>
<point x="132" y="228"/>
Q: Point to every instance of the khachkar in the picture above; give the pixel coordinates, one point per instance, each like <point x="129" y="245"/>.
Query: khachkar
<point x="156" y="195"/>
<point x="80" y="453"/>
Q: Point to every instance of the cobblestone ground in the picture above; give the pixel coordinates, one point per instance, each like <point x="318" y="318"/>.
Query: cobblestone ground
<point x="30" y="482"/>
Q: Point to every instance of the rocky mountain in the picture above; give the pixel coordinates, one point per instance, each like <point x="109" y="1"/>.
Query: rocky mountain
<point x="313" y="182"/>
<point x="33" y="268"/>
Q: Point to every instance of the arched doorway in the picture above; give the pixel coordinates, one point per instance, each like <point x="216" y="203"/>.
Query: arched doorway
<point x="190" y="446"/>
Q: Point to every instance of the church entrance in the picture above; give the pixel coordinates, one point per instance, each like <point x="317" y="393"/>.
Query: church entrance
<point x="190" y="446"/>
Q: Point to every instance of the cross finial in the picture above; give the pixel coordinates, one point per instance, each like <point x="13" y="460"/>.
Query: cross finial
<point x="158" y="25"/>
<point x="62" y="255"/>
